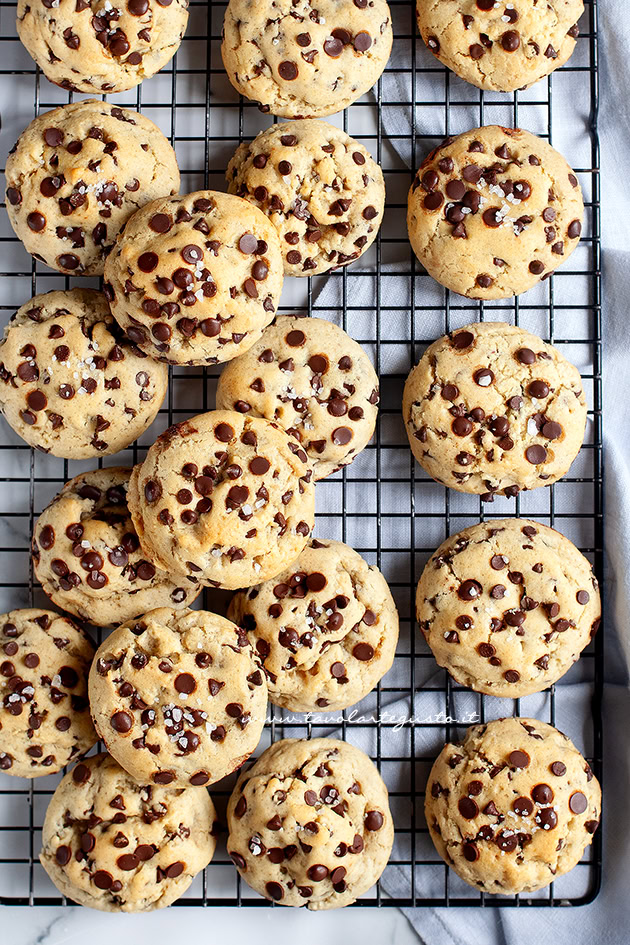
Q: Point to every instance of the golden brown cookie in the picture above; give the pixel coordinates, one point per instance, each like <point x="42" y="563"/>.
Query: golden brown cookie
<point x="195" y="279"/>
<point x="309" y="376"/>
<point x="223" y="499"/>
<point x="178" y="697"/>
<point x="44" y="716"/>
<point x="513" y="806"/>
<point x="497" y="44"/>
<point x="301" y="60"/>
<point x="492" y="409"/>
<point x="119" y="845"/>
<point x="325" y="629"/>
<point x="321" y="189"/>
<point x="72" y="384"/>
<point x="493" y="212"/>
<point x="77" y="174"/>
<point x="309" y="824"/>
<point x="88" y="559"/>
<point x="507" y="606"/>
<point x="95" y="46"/>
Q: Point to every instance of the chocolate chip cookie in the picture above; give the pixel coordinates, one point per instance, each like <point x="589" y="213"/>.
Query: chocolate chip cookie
<point x="95" y="46"/>
<point x="304" y="60"/>
<point x="45" y="719"/>
<point x="309" y="824"/>
<point x="321" y="189"/>
<point x="87" y="555"/>
<point x="309" y="376"/>
<point x="325" y="629"/>
<point x="493" y="409"/>
<point x="77" y="174"/>
<point x="513" y="806"/>
<point x="224" y="499"/>
<point x="500" y="46"/>
<point x="71" y="383"/>
<point x="117" y="845"/>
<point x="195" y="279"/>
<point x="508" y="606"/>
<point x="493" y="212"/>
<point x="178" y="697"/>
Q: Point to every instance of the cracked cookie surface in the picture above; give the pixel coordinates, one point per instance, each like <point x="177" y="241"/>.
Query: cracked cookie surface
<point x="309" y="824"/>
<point x="508" y="606"/>
<point x="100" y="46"/>
<point x="492" y="408"/>
<point x="178" y="697"/>
<point x="513" y="806"/>
<point x="77" y="174"/>
<point x="325" y="629"/>
<point x="224" y="499"/>
<point x="195" y="279"/>
<point x="88" y="559"/>
<point x="309" y="376"/>
<point x="321" y="189"/>
<point x="304" y="60"/>
<point x="493" y="212"/>
<point x="44" y="715"/>
<point x="114" y="844"/>
<point x="498" y="45"/>
<point x="70" y="383"/>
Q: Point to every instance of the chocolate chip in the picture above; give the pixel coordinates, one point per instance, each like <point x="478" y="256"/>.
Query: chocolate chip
<point x="36" y="222"/>
<point x="102" y="879"/>
<point x="467" y="808"/>
<point x="455" y="189"/>
<point x="483" y="377"/>
<point x="160" y="222"/>
<point x="433" y="201"/>
<point x="511" y="676"/>
<point x="511" y="40"/>
<point x="578" y="803"/>
<point x="525" y="356"/>
<point x="546" y="818"/>
<point x="469" y="590"/>
<point x="287" y="70"/>
<point x="542" y="794"/>
<point x="274" y="890"/>
<point x="536" y="455"/>
<point x="191" y="254"/>
<point x="551" y="430"/>
<point x="341" y="436"/>
<point x="333" y="47"/>
<point x="248" y="243"/>
<point x="121" y="722"/>
<point x="519" y="759"/>
<point x="63" y="855"/>
<point x="53" y="137"/>
<point x="295" y="338"/>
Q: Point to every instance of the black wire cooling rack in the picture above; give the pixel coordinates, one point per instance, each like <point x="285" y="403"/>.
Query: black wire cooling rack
<point x="383" y="505"/>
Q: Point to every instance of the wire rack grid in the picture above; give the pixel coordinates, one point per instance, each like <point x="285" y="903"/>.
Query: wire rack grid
<point x="383" y="505"/>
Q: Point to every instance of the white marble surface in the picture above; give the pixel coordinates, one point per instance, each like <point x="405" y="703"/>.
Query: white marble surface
<point x="58" y="926"/>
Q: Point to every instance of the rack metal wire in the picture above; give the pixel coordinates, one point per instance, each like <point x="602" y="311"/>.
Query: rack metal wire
<point x="383" y="505"/>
